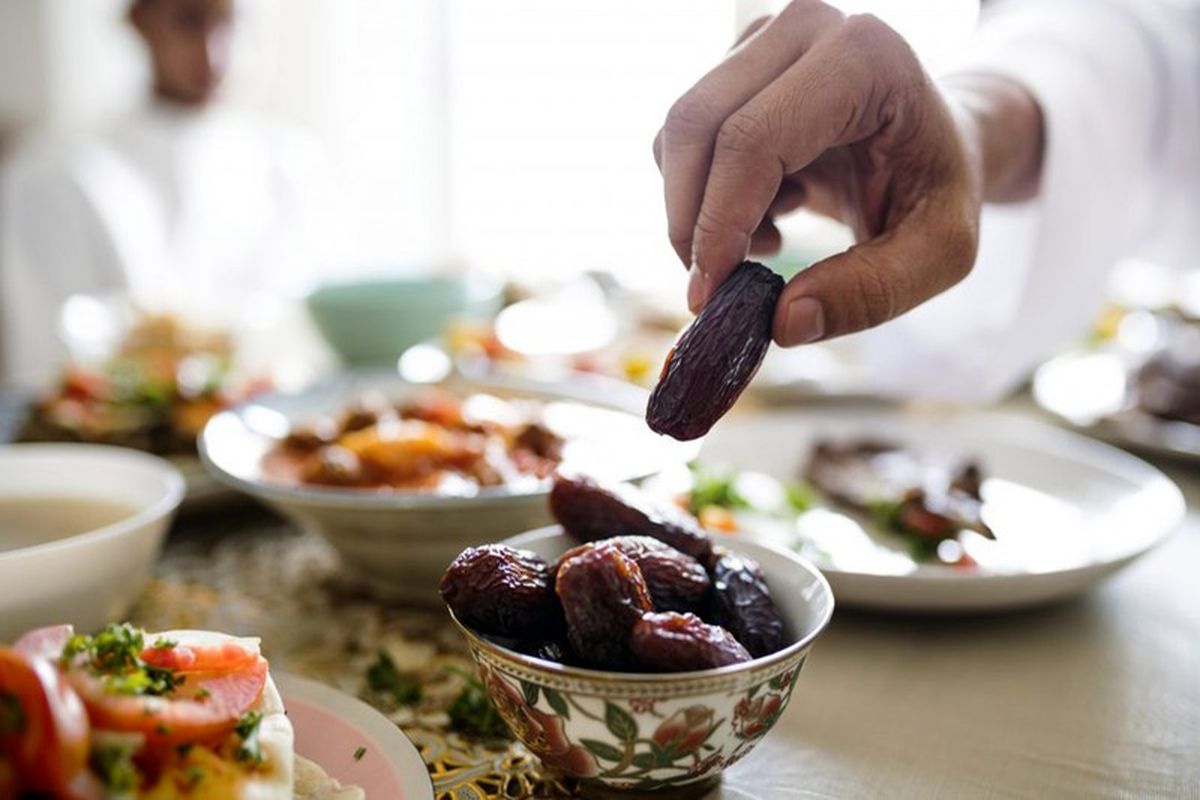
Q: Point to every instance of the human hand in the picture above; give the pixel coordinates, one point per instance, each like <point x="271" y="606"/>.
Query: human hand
<point x="835" y="114"/>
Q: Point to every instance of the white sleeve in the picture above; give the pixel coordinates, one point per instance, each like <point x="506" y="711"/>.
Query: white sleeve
<point x="1118" y="82"/>
<point x="52" y="245"/>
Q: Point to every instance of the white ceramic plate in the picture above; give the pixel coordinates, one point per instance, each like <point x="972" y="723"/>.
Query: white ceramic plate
<point x="331" y="727"/>
<point x="1066" y="510"/>
<point x="1089" y="391"/>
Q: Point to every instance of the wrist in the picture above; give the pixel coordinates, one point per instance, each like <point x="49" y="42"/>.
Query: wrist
<point x="1002" y="127"/>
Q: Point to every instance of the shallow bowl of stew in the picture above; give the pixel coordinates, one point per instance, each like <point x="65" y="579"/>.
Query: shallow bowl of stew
<point x="650" y="733"/>
<point x="398" y="535"/>
<point x="80" y="529"/>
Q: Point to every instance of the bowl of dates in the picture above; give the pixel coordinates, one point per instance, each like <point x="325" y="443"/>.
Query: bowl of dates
<point x="400" y="476"/>
<point x="628" y="662"/>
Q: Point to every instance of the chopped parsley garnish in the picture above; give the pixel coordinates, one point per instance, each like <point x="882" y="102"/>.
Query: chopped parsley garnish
<point x="192" y="776"/>
<point x="115" y="654"/>
<point x="12" y="716"/>
<point x="712" y="489"/>
<point x="113" y="764"/>
<point x="248" y="750"/>
<point x="384" y="678"/>
<point x="800" y="496"/>
<point x="359" y="753"/>
<point x="164" y="644"/>
<point x="473" y="714"/>
<point x="201" y="695"/>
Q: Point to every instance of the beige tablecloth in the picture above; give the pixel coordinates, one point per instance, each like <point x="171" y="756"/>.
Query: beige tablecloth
<point x="1097" y="698"/>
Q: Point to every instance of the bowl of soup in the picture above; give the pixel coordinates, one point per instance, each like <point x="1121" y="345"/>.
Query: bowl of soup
<point x="80" y="529"/>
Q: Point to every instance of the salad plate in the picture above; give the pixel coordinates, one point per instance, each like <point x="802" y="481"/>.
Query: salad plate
<point x="1057" y="512"/>
<point x="353" y="742"/>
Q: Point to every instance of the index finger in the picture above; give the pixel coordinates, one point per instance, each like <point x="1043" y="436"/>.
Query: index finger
<point x="817" y="103"/>
<point x="690" y="130"/>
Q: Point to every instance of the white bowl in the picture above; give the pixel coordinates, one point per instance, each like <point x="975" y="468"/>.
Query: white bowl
<point x="640" y="732"/>
<point x="93" y="577"/>
<point x="400" y="542"/>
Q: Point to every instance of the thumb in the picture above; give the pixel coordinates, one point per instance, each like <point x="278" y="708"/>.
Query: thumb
<point x="874" y="282"/>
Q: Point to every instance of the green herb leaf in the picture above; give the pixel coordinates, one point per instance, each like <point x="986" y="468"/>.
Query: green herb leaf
<point x="115" y="654"/>
<point x="713" y="489"/>
<point x="113" y="765"/>
<point x="384" y="678"/>
<point x="248" y="750"/>
<point x="472" y="713"/>
<point x="359" y="753"/>
<point x="193" y="775"/>
<point x="800" y="496"/>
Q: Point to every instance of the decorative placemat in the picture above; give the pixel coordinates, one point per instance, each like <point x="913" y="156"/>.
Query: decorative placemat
<point x="264" y="579"/>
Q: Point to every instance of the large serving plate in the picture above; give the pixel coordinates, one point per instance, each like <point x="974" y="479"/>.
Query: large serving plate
<point x="353" y="742"/>
<point x="1067" y="511"/>
<point x="1089" y="391"/>
<point x="398" y="541"/>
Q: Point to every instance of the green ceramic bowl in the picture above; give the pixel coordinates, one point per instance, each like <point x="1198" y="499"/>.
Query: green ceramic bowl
<point x="374" y="321"/>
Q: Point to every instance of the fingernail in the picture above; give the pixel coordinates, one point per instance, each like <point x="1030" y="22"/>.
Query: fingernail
<point x="697" y="289"/>
<point x="804" y="321"/>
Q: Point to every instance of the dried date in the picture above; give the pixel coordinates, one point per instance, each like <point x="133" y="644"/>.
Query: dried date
<point x="672" y="642"/>
<point x="716" y="357"/>
<point x="603" y="595"/>
<point x="677" y="582"/>
<point x="740" y="602"/>
<point x="590" y="510"/>
<point x="498" y="590"/>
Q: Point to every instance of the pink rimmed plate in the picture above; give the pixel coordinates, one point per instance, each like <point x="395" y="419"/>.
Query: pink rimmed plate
<point x="332" y="728"/>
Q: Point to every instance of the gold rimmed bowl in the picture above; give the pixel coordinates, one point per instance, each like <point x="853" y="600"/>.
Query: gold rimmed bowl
<point x="654" y="733"/>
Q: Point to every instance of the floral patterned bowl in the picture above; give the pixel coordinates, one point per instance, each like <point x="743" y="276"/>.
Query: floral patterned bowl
<point x="647" y="732"/>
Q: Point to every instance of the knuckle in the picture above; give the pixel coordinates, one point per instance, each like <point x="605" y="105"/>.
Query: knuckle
<point x="811" y="13"/>
<point x="866" y="29"/>
<point x="742" y="133"/>
<point x="878" y="296"/>
<point x="960" y="245"/>
<point x="691" y="117"/>
<point x="870" y="38"/>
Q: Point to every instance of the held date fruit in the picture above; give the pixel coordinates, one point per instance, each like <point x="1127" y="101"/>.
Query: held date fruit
<point x="677" y="582"/>
<point x="741" y="603"/>
<point x="603" y="595"/>
<point x="673" y="642"/>
<point x="715" y="358"/>
<point x="589" y="510"/>
<point x="501" y="591"/>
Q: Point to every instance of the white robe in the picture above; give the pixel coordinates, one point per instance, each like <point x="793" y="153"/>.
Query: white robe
<point x="192" y="210"/>
<point x="1119" y="85"/>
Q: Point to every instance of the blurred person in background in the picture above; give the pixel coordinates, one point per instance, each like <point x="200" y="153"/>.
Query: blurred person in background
<point x="1071" y="129"/>
<point x="184" y="202"/>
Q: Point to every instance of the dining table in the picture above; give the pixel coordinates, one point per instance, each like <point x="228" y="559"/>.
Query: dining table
<point x="1095" y="697"/>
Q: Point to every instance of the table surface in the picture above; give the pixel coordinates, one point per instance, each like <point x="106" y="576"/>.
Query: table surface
<point x="1098" y="697"/>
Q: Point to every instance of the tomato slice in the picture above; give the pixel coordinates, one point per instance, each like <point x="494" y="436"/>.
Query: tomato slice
<point x="46" y="732"/>
<point x="218" y="656"/>
<point x="204" y="709"/>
